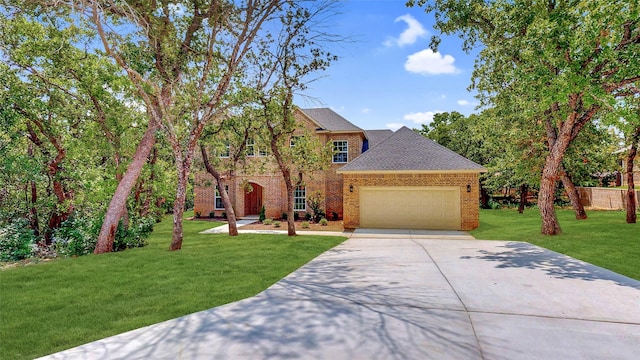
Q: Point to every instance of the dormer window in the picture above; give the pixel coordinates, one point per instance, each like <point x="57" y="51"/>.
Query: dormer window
<point x="340" y="151"/>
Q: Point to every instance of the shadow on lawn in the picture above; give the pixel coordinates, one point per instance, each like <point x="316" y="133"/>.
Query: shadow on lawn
<point x="330" y="308"/>
<point x="524" y="255"/>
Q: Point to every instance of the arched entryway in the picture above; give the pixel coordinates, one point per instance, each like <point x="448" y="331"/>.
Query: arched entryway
<point x="253" y="199"/>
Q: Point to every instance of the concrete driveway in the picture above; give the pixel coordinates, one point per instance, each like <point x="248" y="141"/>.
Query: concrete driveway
<point x="404" y="298"/>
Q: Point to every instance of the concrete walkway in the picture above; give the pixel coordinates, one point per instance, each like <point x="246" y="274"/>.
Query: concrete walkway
<point x="379" y="298"/>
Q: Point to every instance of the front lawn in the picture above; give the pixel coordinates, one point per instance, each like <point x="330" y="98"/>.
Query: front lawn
<point x="604" y="239"/>
<point x="49" y="307"/>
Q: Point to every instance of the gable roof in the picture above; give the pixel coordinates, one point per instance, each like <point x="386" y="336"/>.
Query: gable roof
<point x="375" y="137"/>
<point x="329" y="120"/>
<point x="406" y="150"/>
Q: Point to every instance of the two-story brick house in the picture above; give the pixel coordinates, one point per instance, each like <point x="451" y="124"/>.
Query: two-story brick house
<point x="384" y="179"/>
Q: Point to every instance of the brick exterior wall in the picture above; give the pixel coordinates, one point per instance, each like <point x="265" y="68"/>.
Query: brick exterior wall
<point x="469" y="204"/>
<point x="329" y="182"/>
<point x="605" y="198"/>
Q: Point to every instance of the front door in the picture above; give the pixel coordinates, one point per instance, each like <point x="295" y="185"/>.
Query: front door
<point x="253" y="200"/>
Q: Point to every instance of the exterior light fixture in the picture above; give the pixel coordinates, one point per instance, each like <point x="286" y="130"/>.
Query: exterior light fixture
<point x="468" y="187"/>
<point x="351" y="188"/>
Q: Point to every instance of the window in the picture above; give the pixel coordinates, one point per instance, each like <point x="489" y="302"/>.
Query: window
<point x="225" y="153"/>
<point x="340" y="151"/>
<point x="294" y="140"/>
<point x="300" y="199"/>
<point x="251" y="147"/>
<point x="262" y="152"/>
<point x="218" y="199"/>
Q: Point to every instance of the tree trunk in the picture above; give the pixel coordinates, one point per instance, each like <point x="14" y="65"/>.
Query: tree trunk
<point x="631" y="193"/>
<point x="524" y="189"/>
<point x="484" y="197"/>
<point x="146" y="204"/>
<point x="182" y="166"/>
<point x="117" y="206"/>
<point x="572" y="192"/>
<point x="291" y="224"/>
<point x="226" y="201"/>
<point x="33" y="210"/>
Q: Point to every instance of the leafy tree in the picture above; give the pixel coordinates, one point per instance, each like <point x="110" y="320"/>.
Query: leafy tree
<point x="182" y="64"/>
<point x="280" y="70"/>
<point x="560" y="59"/>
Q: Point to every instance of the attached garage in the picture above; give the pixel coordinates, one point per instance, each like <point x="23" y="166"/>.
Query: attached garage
<point x="411" y="182"/>
<point x="410" y="207"/>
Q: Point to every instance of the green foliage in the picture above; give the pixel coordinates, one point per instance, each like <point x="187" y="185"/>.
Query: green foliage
<point x="305" y="225"/>
<point x="335" y="216"/>
<point x="267" y="221"/>
<point x="76" y="237"/>
<point x="16" y="240"/>
<point x="284" y="216"/>
<point x="276" y="224"/>
<point x="296" y="216"/>
<point x="323" y="222"/>
<point x="308" y="216"/>
<point x="262" y="214"/>
<point x="315" y="201"/>
<point x="135" y="235"/>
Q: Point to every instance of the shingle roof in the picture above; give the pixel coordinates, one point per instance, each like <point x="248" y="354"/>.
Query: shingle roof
<point x="406" y="150"/>
<point x="375" y="137"/>
<point x="330" y="120"/>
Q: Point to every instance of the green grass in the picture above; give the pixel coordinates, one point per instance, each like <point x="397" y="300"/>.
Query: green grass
<point x="49" y="307"/>
<point x="604" y="239"/>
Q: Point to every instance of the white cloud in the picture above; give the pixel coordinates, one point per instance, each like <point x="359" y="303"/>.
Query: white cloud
<point x="427" y="62"/>
<point x="463" y="103"/>
<point x="366" y="110"/>
<point x="421" y="117"/>
<point x="394" y="126"/>
<point x="410" y="35"/>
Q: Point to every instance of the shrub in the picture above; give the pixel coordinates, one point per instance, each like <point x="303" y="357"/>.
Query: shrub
<point x="198" y="214"/>
<point x="308" y="216"/>
<point x="224" y="215"/>
<point x="284" y="216"/>
<point x="315" y="202"/>
<point x="319" y="215"/>
<point x="296" y="216"/>
<point x="212" y="215"/>
<point x="267" y="221"/>
<point x="76" y="236"/>
<point x="262" y="214"/>
<point x="324" y="222"/>
<point x="133" y="236"/>
<point x="276" y="224"/>
<point x="334" y="216"/>
<point x="305" y="225"/>
<point x="16" y="239"/>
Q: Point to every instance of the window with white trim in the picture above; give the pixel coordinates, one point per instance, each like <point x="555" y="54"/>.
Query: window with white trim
<point x="300" y="199"/>
<point x="251" y="147"/>
<point x="293" y="140"/>
<point x="218" y="199"/>
<point x="225" y="153"/>
<point x="340" y="151"/>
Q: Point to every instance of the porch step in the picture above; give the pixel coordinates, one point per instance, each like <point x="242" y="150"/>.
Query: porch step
<point x="250" y="217"/>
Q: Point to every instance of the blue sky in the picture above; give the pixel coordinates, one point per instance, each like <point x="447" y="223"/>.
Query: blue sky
<point x="386" y="76"/>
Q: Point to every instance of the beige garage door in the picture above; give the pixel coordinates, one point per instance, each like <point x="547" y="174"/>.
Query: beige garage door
<point x="436" y="208"/>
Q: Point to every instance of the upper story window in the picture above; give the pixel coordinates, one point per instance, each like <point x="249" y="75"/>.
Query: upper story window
<point x="251" y="147"/>
<point x="294" y="140"/>
<point x="225" y="153"/>
<point x="340" y="151"/>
